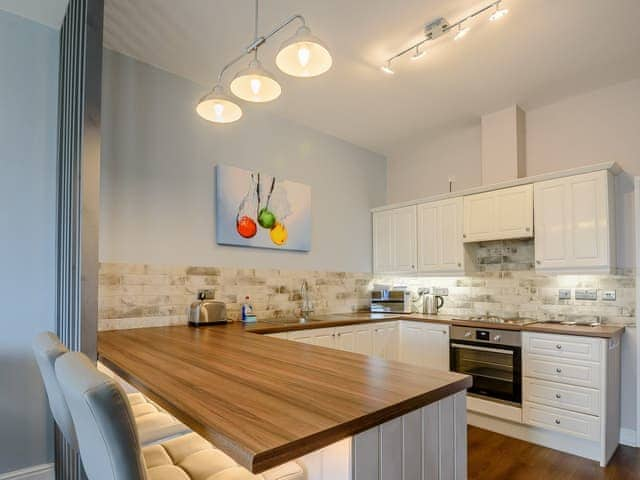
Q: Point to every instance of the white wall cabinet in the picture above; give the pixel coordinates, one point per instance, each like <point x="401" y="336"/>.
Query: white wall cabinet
<point x="499" y="214"/>
<point x="425" y="344"/>
<point x="394" y="240"/>
<point x="574" y="221"/>
<point x="440" y="247"/>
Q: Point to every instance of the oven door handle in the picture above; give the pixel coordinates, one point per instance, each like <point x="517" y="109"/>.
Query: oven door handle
<point x="483" y="349"/>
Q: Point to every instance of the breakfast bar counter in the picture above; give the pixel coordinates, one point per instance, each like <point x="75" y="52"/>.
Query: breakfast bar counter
<point x="265" y="401"/>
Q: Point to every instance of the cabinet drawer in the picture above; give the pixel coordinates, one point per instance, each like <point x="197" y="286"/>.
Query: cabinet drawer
<point x="575" y="424"/>
<point x="573" y="372"/>
<point x="569" y="397"/>
<point x="563" y="346"/>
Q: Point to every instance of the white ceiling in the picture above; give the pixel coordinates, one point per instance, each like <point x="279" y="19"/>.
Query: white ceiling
<point x="544" y="50"/>
<point x="47" y="12"/>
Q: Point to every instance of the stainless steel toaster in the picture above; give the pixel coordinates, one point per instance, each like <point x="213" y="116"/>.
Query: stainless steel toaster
<point x="207" y="312"/>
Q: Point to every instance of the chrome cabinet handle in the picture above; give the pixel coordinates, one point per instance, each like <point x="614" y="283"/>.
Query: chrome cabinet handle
<point x="538" y="262"/>
<point x="459" y="264"/>
<point x="464" y="235"/>
<point x="557" y="421"/>
<point x="558" y="396"/>
<point x="559" y="347"/>
<point x="558" y="370"/>
<point x="527" y="229"/>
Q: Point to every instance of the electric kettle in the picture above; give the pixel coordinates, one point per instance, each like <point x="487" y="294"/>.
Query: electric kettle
<point x="431" y="304"/>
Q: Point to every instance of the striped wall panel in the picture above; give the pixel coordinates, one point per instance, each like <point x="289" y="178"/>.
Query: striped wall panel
<point x="79" y="92"/>
<point x="426" y="444"/>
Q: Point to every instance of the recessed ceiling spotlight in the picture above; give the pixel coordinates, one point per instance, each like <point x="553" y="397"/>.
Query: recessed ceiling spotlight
<point x="499" y="13"/>
<point x="419" y="54"/>
<point x="461" y="32"/>
<point x="387" y="68"/>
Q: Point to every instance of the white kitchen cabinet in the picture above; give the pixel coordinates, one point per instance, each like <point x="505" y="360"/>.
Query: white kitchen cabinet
<point x="394" y="240"/>
<point x="498" y="214"/>
<point x="354" y="338"/>
<point x="323" y="337"/>
<point x="574" y="221"/>
<point x="440" y="247"/>
<point x="425" y="344"/>
<point x="385" y="340"/>
<point x="571" y="385"/>
<point x="363" y="339"/>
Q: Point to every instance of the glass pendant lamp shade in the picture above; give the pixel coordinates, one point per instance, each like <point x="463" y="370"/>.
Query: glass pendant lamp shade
<point x="218" y="107"/>
<point x="255" y="84"/>
<point x="303" y="55"/>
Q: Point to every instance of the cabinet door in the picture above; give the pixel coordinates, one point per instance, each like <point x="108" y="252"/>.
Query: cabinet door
<point x="303" y="336"/>
<point x="412" y="341"/>
<point x="382" y="241"/>
<point x="479" y="217"/>
<point x="379" y="340"/>
<point x="404" y="239"/>
<point x="345" y="339"/>
<point x="576" y="221"/>
<point x="325" y="338"/>
<point x="428" y="239"/>
<point x="514" y="212"/>
<point x="552" y="240"/>
<point x="425" y="345"/>
<point x="436" y="351"/>
<point x="394" y="240"/>
<point x="363" y="338"/>
<point x="440" y="247"/>
<point x="499" y="214"/>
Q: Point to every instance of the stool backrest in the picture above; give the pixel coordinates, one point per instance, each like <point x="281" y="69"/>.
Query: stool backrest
<point x="47" y="348"/>
<point x="107" y="435"/>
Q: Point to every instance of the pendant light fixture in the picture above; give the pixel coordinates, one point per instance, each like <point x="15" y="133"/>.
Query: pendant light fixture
<point x="255" y="84"/>
<point x="216" y="106"/>
<point x="302" y="55"/>
<point x="441" y="26"/>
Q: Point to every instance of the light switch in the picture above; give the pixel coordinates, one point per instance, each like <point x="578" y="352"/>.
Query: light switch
<point x="564" y="294"/>
<point x="440" y="291"/>
<point x="609" y="295"/>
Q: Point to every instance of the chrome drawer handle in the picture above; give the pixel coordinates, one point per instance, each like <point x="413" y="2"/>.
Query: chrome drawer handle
<point x="558" y="370"/>
<point x="557" y="421"/>
<point x="558" y="396"/>
<point x="559" y="347"/>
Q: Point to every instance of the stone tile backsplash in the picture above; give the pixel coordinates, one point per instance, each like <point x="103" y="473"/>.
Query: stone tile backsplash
<point x="504" y="282"/>
<point x="501" y="281"/>
<point x="136" y="295"/>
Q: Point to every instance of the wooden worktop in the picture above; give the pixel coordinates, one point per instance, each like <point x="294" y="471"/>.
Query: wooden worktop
<point x="262" y="400"/>
<point x="336" y="320"/>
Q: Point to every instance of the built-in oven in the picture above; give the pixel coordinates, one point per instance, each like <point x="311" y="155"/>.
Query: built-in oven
<point x="492" y="357"/>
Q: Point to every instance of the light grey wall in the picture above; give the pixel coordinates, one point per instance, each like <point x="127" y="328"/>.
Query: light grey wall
<point x="28" y="118"/>
<point x="421" y="166"/>
<point x="158" y="158"/>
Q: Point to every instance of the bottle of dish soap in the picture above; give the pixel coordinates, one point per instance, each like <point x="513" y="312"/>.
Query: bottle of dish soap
<point x="247" y="311"/>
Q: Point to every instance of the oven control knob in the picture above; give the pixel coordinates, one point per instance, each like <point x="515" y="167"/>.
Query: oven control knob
<point x="497" y="338"/>
<point x="467" y="334"/>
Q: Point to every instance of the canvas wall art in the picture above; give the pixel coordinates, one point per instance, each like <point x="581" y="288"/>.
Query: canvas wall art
<point x="254" y="209"/>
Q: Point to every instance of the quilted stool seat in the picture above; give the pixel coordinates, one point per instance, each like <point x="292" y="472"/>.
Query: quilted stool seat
<point x="191" y="457"/>
<point x="153" y="424"/>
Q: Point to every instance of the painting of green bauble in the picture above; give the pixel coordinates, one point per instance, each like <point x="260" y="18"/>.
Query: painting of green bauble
<point x="266" y="218"/>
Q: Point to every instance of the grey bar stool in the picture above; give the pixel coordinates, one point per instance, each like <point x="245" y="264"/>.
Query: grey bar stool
<point x="153" y="424"/>
<point x="108" y="439"/>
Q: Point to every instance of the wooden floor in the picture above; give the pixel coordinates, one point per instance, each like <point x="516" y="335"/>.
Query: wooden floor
<point x="495" y="457"/>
